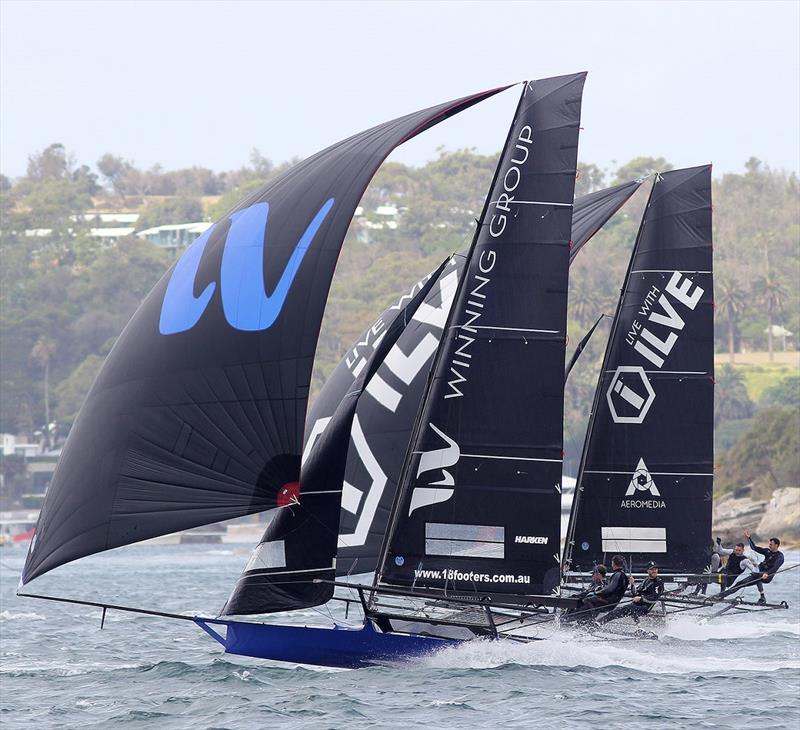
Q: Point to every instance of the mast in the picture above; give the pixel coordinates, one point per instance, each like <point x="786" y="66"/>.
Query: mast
<point x="569" y="542"/>
<point x="479" y="502"/>
<point x="645" y="484"/>
<point x="393" y="515"/>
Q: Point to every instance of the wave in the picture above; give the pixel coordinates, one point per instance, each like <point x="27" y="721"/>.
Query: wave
<point x="686" y="628"/>
<point x="22" y="616"/>
<point x="551" y="653"/>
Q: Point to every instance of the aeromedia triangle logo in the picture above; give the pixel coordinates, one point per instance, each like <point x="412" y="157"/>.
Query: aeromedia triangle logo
<point x="642" y="481"/>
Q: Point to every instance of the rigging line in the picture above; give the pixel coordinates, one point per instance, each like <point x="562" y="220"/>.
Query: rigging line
<point x="129" y="609"/>
<point x="596" y="401"/>
<point x="402" y="487"/>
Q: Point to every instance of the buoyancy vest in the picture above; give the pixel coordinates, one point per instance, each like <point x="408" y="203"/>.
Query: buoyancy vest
<point x="734" y="566"/>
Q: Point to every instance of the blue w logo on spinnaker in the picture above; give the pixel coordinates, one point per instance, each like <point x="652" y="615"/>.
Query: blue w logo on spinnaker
<point x="245" y="303"/>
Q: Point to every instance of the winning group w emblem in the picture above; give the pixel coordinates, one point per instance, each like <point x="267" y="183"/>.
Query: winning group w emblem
<point x="245" y="302"/>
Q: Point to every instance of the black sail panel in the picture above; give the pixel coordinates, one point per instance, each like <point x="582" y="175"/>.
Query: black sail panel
<point x="384" y="416"/>
<point x="198" y="413"/>
<point x="479" y="502"/>
<point x="300" y="543"/>
<point x="646" y="478"/>
<point x="592" y="212"/>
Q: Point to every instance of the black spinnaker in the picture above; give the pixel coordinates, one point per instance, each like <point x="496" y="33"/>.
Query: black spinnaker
<point x="593" y="210"/>
<point x="198" y="413"/>
<point x="645" y="483"/>
<point x="385" y="414"/>
<point x="479" y="500"/>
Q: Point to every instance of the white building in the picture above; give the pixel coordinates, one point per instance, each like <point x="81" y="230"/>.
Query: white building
<point x="12" y="446"/>
<point x="174" y="235"/>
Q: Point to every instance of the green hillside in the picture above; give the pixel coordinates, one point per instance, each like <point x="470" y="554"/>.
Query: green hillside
<point x="66" y="294"/>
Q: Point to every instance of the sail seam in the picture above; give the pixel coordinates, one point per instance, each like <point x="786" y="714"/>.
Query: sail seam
<point x="282" y="572"/>
<point x="655" y="473"/>
<point x="669" y="271"/>
<point x="509" y="458"/>
<point x="509" y="329"/>
<point x="536" y="202"/>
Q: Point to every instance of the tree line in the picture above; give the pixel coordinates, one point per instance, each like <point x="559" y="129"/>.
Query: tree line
<point x="65" y="296"/>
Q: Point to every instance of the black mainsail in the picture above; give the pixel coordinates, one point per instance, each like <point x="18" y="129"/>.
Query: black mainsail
<point x="385" y="415"/>
<point x="645" y="482"/>
<point x="479" y="500"/>
<point x="198" y="413"/>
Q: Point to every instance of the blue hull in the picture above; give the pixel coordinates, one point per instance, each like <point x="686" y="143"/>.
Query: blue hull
<point x="335" y="647"/>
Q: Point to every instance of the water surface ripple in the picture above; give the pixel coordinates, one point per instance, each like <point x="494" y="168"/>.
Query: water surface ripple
<point x="60" y="671"/>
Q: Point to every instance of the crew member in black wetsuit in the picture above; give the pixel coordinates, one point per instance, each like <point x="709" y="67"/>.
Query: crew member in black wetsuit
<point x="771" y="564"/>
<point x="598" y="582"/>
<point x="610" y="594"/>
<point x="645" y="597"/>
<point x="738" y="563"/>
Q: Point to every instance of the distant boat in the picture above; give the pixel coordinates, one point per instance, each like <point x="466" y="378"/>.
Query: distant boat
<point x="23" y="536"/>
<point x="17" y="526"/>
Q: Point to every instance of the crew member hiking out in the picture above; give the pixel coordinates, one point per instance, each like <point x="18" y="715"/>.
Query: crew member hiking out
<point x="645" y="597"/>
<point x="771" y="564"/>
<point x="738" y="563"/>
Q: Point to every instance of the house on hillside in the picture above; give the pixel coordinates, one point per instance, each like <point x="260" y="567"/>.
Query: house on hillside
<point x="13" y="445"/>
<point x="108" y="235"/>
<point x="111" y="235"/>
<point x="105" y="219"/>
<point x="383" y="217"/>
<point x="174" y="236"/>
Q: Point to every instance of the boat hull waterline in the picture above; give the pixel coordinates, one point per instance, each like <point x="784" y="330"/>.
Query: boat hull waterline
<point x="339" y="646"/>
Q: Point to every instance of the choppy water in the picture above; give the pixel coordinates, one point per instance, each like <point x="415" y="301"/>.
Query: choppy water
<point x="60" y="671"/>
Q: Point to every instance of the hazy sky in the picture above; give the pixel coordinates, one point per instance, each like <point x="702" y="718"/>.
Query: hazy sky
<point x="202" y="83"/>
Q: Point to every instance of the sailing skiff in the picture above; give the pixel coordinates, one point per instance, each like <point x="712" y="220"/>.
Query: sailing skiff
<point x="432" y="459"/>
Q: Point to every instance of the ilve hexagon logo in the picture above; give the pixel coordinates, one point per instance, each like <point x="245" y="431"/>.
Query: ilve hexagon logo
<point x="630" y="394"/>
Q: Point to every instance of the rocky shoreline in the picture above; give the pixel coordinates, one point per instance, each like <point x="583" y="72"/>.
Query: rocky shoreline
<point x="778" y="516"/>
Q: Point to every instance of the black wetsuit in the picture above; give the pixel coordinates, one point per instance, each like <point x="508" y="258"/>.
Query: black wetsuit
<point x="732" y="570"/>
<point x="650" y="590"/>
<point x="577" y="613"/>
<point x="607" y="597"/>
<point x="770" y="565"/>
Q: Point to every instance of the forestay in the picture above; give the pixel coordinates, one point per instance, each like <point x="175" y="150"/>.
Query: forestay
<point x="479" y="501"/>
<point x="646" y="478"/>
<point x="198" y="413"/>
